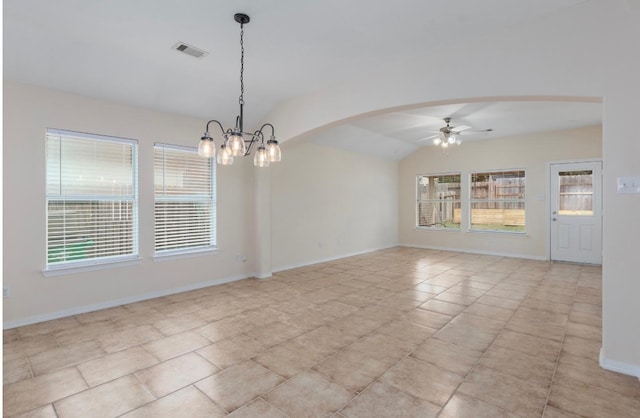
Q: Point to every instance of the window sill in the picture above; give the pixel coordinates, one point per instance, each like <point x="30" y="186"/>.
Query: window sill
<point x="173" y="255"/>
<point x="435" y="228"/>
<point x="488" y="231"/>
<point x="64" y="270"/>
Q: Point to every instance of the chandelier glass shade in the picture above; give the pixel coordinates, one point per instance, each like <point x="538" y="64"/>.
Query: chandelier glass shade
<point x="236" y="142"/>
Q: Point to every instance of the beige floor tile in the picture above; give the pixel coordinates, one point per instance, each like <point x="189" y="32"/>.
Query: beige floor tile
<point x="381" y="400"/>
<point x="176" y="373"/>
<point x="234" y="350"/>
<point x="490" y="326"/>
<point x="258" y="408"/>
<point x="551" y="412"/>
<point x="48" y="327"/>
<point x="220" y="330"/>
<point x="406" y="331"/>
<point x="507" y="392"/>
<point x="523" y="366"/>
<point x="443" y="307"/>
<point x="239" y="384"/>
<point x="108" y="400"/>
<point x="529" y="344"/>
<point x="383" y="347"/>
<point x="467" y="290"/>
<point x="102" y="315"/>
<point x="587" y="370"/>
<point x="580" y="347"/>
<point x="274" y="333"/>
<point x="28" y="346"/>
<point x="129" y="337"/>
<point x="187" y="402"/>
<point x="115" y="365"/>
<point x="537" y="328"/>
<point x="178" y="324"/>
<point x="423" y="380"/>
<point x="66" y="356"/>
<point x="455" y="358"/>
<point x="546" y="305"/>
<point x="15" y="370"/>
<point x="428" y="319"/>
<point x="10" y="335"/>
<point x="84" y="332"/>
<point x="590" y="401"/>
<point x="289" y="358"/>
<point x="491" y="312"/>
<point x="46" y="411"/>
<point x="587" y="332"/>
<point x="31" y="393"/>
<point x="176" y="345"/>
<point x="351" y="369"/>
<point x="452" y="297"/>
<point x="498" y="302"/>
<point x="461" y="406"/>
<point x="309" y="395"/>
<point x="416" y="295"/>
<point x="465" y="336"/>
<point x="325" y="340"/>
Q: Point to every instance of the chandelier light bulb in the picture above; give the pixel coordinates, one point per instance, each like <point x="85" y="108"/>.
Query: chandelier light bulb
<point x="437" y="141"/>
<point x="273" y="150"/>
<point x="224" y="156"/>
<point x="261" y="159"/>
<point x="451" y="139"/>
<point x="206" y="147"/>
<point x="236" y="143"/>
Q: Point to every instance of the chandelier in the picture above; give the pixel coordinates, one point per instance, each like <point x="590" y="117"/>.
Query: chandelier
<point x="236" y="142"/>
<point x="448" y="135"/>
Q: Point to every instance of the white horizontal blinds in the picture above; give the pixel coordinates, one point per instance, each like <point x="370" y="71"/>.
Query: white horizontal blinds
<point x="438" y="201"/>
<point x="184" y="200"/>
<point x="91" y="199"/>
<point x="498" y="200"/>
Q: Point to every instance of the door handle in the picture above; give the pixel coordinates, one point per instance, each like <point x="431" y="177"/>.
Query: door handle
<point x="553" y="219"/>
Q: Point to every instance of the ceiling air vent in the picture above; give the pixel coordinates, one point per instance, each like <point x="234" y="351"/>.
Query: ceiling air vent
<point x="189" y="50"/>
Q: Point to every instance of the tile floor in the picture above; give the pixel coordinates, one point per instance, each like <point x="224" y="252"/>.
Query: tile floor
<point x="400" y="332"/>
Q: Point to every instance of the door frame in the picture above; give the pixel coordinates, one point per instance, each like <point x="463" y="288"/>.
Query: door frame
<point x="548" y="197"/>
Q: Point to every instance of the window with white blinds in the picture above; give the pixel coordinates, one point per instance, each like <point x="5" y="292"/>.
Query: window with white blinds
<point x="92" y="199"/>
<point x="185" y="205"/>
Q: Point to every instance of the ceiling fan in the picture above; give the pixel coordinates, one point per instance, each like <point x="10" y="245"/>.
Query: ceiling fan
<point x="450" y="135"/>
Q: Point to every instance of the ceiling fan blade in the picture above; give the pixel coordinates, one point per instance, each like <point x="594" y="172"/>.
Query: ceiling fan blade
<point x="428" y="138"/>
<point x="458" y="129"/>
<point x="474" y="131"/>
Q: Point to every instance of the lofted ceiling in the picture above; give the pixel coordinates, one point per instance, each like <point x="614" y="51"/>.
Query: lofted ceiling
<point x="121" y="50"/>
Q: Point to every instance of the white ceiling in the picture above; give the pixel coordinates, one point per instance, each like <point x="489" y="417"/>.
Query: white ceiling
<point x="121" y="50"/>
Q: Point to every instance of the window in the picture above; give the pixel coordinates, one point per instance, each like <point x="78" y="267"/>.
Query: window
<point x="438" y="199"/>
<point x="92" y="199"/>
<point x="576" y="193"/>
<point x="497" y="201"/>
<point x="185" y="207"/>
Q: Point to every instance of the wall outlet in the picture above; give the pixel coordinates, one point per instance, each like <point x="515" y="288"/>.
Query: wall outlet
<point x="5" y="292"/>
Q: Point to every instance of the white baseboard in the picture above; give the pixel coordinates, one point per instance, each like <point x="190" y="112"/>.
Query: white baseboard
<point x="618" y="366"/>
<point x="479" y="252"/>
<point x="112" y="303"/>
<point x="332" y="258"/>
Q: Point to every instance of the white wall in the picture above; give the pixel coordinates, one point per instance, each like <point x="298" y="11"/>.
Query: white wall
<point x="28" y="112"/>
<point x="590" y="51"/>
<point x="528" y="152"/>
<point x="328" y="203"/>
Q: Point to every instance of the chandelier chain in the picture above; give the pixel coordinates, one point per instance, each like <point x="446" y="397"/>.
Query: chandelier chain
<point x="241" y="100"/>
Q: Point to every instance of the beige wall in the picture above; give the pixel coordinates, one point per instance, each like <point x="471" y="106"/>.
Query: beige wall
<point x="530" y="152"/>
<point x="329" y="203"/>
<point x="28" y="112"/>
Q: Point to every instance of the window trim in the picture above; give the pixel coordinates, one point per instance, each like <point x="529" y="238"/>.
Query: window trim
<point x="98" y="263"/>
<point x="163" y="255"/>
<point x="470" y="201"/>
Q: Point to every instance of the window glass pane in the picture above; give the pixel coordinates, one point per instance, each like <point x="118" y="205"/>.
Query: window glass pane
<point x="184" y="200"/>
<point x="438" y="199"/>
<point x="91" y="199"/>
<point x="576" y="193"/>
<point x="497" y="201"/>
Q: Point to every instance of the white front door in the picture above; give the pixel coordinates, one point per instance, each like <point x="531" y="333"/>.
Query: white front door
<point x="576" y="212"/>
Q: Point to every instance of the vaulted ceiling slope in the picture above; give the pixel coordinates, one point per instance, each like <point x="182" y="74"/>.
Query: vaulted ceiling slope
<point x="121" y="50"/>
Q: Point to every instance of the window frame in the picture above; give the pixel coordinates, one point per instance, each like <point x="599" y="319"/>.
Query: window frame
<point x="418" y="202"/>
<point x="520" y="200"/>
<point x="88" y="264"/>
<point x="212" y="247"/>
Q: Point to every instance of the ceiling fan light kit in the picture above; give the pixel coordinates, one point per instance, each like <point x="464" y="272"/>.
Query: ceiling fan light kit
<point x="237" y="142"/>
<point x="450" y="135"/>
